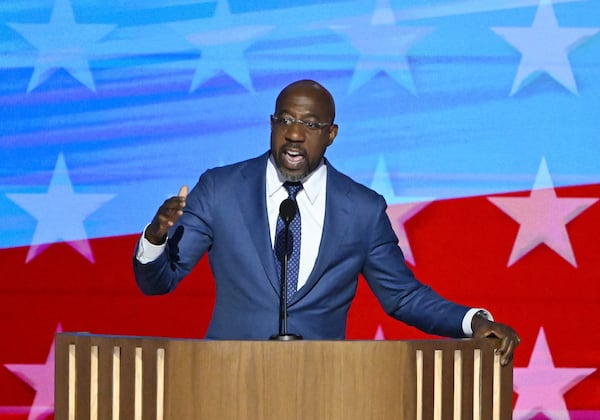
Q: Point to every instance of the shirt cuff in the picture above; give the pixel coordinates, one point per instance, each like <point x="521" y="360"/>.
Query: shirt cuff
<point x="468" y="319"/>
<point x="147" y="251"/>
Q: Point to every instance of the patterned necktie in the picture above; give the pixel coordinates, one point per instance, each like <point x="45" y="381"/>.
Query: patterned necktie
<point x="293" y="244"/>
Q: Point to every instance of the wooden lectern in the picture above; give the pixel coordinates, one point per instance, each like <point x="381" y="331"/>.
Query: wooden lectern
<point x="123" y="378"/>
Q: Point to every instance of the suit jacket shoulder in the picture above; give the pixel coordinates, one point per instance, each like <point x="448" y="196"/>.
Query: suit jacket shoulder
<point x="357" y="201"/>
<point x="231" y="173"/>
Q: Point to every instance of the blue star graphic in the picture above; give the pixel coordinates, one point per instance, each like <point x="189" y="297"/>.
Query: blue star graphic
<point x="400" y="208"/>
<point x="62" y="43"/>
<point x="383" y="46"/>
<point x="223" y="41"/>
<point x="60" y="213"/>
<point x="544" y="48"/>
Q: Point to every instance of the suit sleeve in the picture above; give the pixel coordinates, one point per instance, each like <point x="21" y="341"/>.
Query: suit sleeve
<point x="188" y="240"/>
<point x="401" y="295"/>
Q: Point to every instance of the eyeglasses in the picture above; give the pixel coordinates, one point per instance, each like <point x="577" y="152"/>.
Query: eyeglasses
<point x="288" y="121"/>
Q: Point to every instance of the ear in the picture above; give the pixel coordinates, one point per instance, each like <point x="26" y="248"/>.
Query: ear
<point x="333" y="130"/>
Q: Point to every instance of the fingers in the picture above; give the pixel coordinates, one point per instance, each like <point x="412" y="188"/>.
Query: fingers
<point x="183" y="191"/>
<point x="167" y="215"/>
<point x="507" y="349"/>
<point x="510" y="341"/>
<point x="170" y="211"/>
<point x="172" y="208"/>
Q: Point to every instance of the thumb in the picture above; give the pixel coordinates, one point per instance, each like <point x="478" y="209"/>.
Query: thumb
<point x="183" y="191"/>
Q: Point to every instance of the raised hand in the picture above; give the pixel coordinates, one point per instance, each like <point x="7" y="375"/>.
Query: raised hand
<point x="166" y="216"/>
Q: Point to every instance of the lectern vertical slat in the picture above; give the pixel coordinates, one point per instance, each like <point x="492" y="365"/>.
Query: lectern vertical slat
<point x="419" y="384"/>
<point x="72" y="378"/>
<point x="457" y="379"/>
<point x="116" y="383"/>
<point x="477" y="384"/>
<point x="437" y="384"/>
<point x="496" y="394"/>
<point x="94" y="382"/>
<point x="137" y="384"/>
<point x="160" y="383"/>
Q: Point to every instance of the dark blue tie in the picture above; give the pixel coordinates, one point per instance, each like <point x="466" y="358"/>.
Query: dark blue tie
<point x="293" y="244"/>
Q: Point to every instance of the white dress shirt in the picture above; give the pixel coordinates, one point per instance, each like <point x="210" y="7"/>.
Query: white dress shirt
<point x="311" y="205"/>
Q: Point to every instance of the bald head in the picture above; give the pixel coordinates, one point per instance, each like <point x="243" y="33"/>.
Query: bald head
<point x="311" y="88"/>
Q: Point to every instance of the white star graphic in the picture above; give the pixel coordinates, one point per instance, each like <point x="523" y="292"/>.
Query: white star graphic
<point x="379" y="335"/>
<point x="542" y="217"/>
<point x="62" y="43"/>
<point x="223" y="42"/>
<point x="383" y="46"/>
<point x="400" y="209"/>
<point x="541" y="386"/>
<point x="544" y="47"/>
<point x="60" y="213"/>
<point x="41" y="378"/>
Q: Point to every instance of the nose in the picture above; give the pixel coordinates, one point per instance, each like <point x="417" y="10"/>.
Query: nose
<point x="295" y="132"/>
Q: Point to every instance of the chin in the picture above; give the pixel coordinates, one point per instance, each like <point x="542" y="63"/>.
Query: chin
<point x="296" y="173"/>
<point x="293" y="177"/>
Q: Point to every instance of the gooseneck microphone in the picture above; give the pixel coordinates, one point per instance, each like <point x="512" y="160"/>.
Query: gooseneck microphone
<point x="287" y="211"/>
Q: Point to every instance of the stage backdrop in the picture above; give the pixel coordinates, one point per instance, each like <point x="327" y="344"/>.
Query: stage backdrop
<point x="477" y="120"/>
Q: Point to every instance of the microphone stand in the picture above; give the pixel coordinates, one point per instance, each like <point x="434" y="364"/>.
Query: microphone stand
<point x="283" y="309"/>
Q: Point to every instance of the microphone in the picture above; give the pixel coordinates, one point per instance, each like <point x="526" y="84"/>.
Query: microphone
<point x="287" y="211"/>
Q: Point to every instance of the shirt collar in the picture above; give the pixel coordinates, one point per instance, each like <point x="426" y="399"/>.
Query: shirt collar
<point x="312" y="185"/>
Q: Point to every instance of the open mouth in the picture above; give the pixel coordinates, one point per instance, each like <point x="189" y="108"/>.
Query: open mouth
<point x="293" y="158"/>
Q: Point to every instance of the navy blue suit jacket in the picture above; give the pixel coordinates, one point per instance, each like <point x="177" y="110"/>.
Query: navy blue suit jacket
<point x="226" y="216"/>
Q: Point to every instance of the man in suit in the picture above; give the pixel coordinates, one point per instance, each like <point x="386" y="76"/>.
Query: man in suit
<point x="232" y="214"/>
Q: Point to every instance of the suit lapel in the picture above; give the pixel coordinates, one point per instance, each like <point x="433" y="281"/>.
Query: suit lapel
<point x="338" y="207"/>
<point x="252" y="193"/>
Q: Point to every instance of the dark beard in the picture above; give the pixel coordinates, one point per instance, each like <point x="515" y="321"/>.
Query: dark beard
<point x="291" y="177"/>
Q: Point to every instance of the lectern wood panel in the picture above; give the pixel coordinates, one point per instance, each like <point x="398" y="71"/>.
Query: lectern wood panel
<point x="138" y="378"/>
<point x="263" y="380"/>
